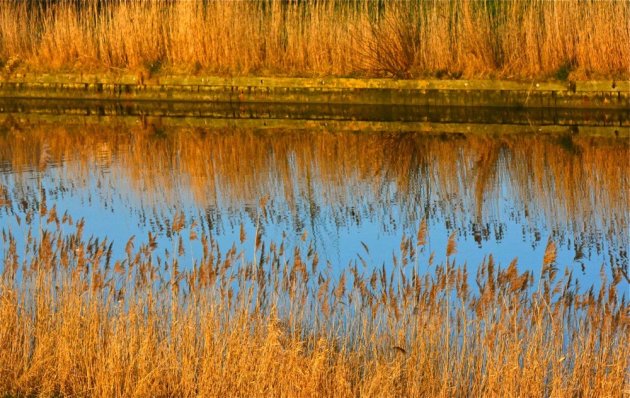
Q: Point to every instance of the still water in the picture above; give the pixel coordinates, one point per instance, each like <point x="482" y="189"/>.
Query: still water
<point x="353" y="195"/>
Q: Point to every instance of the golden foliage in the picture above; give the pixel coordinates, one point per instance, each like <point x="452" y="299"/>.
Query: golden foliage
<point x="344" y="38"/>
<point x="151" y="326"/>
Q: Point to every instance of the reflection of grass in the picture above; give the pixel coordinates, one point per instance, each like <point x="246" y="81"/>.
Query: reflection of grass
<point x="368" y="38"/>
<point x="76" y="322"/>
<point x="562" y="178"/>
<point x="566" y="142"/>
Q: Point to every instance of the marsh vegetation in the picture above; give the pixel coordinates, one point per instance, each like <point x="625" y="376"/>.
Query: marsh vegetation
<point x="179" y="310"/>
<point x="77" y="321"/>
<point x="142" y="259"/>
<point x="473" y="39"/>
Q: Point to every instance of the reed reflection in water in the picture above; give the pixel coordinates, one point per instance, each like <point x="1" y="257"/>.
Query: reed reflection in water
<point x="505" y="195"/>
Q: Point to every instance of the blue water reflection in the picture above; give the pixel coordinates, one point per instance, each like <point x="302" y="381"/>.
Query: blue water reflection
<point x="350" y="204"/>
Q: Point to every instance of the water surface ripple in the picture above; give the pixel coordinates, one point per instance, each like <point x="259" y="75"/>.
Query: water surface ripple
<point x="353" y="194"/>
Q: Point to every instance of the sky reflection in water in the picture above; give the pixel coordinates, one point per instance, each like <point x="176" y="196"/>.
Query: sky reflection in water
<point x="503" y="195"/>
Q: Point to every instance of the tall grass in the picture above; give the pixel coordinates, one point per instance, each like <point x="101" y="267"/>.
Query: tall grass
<point x="196" y="319"/>
<point x="515" y="39"/>
<point x="76" y="321"/>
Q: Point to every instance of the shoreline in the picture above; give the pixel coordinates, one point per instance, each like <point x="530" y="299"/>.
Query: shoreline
<point x="613" y="123"/>
<point x="599" y="94"/>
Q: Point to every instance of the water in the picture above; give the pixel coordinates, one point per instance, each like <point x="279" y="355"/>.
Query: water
<point x="352" y="195"/>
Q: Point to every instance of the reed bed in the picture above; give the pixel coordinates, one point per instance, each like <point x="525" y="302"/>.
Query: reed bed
<point x="265" y="318"/>
<point x="77" y="321"/>
<point x="471" y="39"/>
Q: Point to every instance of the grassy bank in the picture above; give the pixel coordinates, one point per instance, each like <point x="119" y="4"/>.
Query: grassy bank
<point x="480" y="39"/>
<point x="76" y="321"/>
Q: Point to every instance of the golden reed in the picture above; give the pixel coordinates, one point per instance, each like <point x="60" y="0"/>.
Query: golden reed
<point x="82" y="317"/>
<point x="480" y="39"/>
<point x="76" y="320"/>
